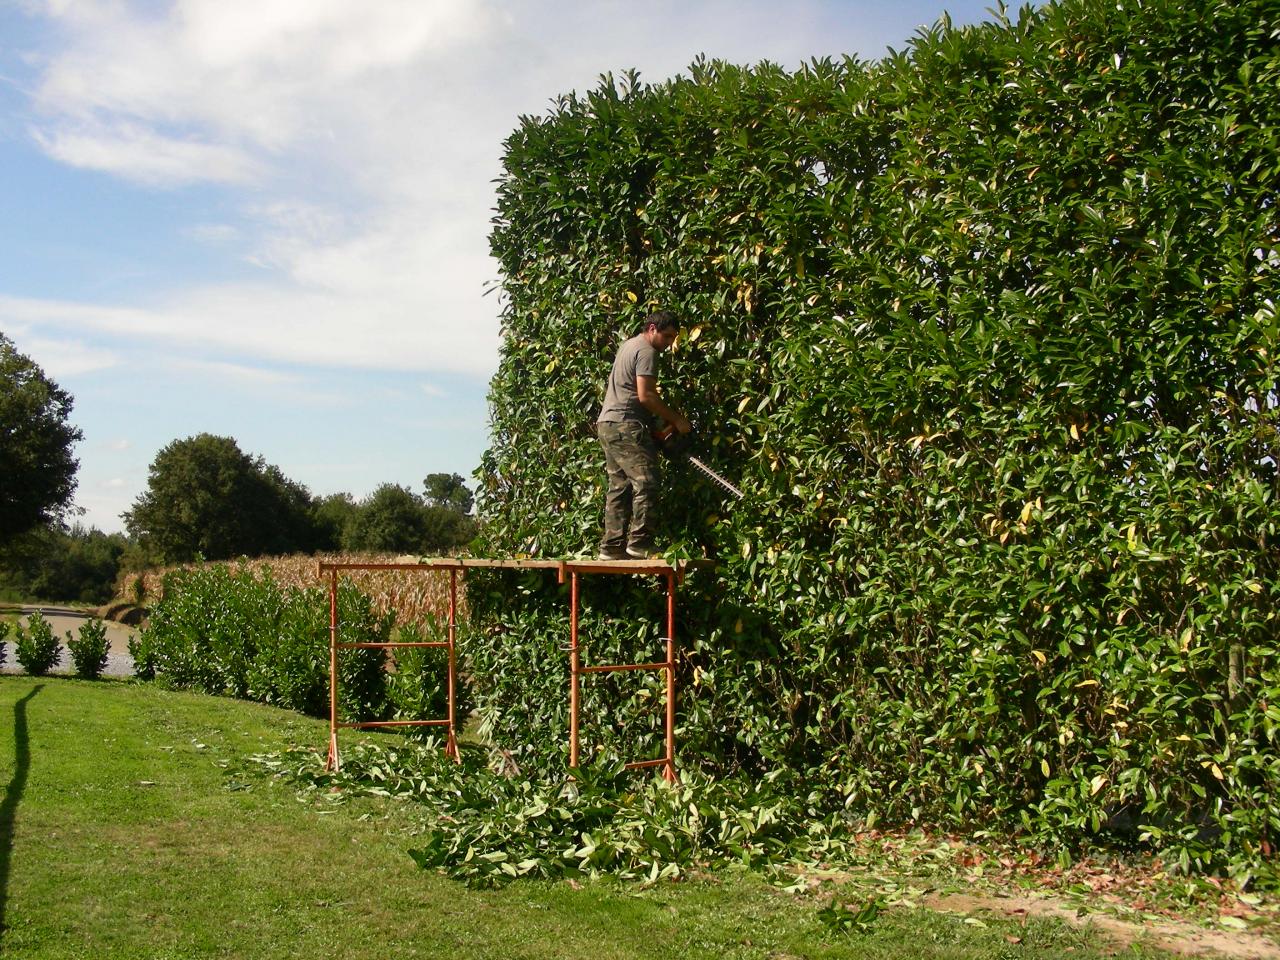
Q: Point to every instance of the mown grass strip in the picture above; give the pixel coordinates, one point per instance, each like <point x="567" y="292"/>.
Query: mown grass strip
<point x="122" y="834"/>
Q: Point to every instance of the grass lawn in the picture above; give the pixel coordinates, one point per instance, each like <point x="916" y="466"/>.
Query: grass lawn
<point x="122" y="835"/>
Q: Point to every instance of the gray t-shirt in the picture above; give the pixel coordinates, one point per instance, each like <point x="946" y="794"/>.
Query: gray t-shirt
<point x="636" y="358"/>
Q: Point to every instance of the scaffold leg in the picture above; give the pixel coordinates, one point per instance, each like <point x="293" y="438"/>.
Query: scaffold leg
<point x="451" y="745"/>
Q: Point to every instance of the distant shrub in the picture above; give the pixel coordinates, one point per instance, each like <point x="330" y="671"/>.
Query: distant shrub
<point x="231" y="632"/>
<point x="143" y="656"/>
<point x="4" y="632"/>
<point x="36" y="647"/>
<point x="89" y="649"/>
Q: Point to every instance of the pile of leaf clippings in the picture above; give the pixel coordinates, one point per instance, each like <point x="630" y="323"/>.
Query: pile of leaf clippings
<point x="486" y="827"/>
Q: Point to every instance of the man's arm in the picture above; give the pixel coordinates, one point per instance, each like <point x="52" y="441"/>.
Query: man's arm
<point x="651" y="400"/>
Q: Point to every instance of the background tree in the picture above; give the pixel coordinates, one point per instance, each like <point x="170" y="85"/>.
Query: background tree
<point x="448" y="490"/>
<point x="394" y="518"/>
<point x="331" y="516"/>
<point x="205" y="497"/>
<point x="52" y="564"/>
<point x="390" y="518"/>
<point x="446" y="528"/>
<point x="448" y="512"/>
<point x="295" y="528"/>
<point x="35" y="445"/>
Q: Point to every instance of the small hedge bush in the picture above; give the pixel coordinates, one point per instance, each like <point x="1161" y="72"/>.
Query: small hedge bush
<point x="230" y="632"/>
<point x="89" y="649"/>
<point x="35" y="646"/>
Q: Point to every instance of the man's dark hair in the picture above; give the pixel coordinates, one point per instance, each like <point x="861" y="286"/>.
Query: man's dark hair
<point x="662" y="320"/>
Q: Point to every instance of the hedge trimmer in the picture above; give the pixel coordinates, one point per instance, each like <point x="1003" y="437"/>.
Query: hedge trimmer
<point x="676" y="447"/>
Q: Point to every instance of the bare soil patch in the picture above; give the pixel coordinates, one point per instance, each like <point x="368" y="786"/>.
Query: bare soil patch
<point x="1176" y="936"/>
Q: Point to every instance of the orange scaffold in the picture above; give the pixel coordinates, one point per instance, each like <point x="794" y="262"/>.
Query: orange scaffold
<point x="671" y="572"/>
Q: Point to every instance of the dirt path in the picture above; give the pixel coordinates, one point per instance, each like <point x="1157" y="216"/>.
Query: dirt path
<point x="1179" y="937"/>
<point x="62" y="619"/>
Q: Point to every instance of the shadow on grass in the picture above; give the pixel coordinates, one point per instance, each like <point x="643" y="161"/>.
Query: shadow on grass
<point x="13" y="795"/>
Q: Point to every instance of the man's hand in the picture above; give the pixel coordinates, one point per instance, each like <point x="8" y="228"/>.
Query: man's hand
<point x="651" y="400"/>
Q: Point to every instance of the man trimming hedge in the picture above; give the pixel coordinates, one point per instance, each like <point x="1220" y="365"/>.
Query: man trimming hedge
<point x="625" y="428"/>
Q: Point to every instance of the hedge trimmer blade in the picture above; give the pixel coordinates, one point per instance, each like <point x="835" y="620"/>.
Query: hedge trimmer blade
<point x="676" y="446"/>
<point x="715" y="476"/>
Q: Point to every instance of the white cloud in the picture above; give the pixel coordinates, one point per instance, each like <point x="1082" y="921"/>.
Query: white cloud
<point x="215" y="234"/>
<point x="55" y="314"/>
<point x="258" y="76"/>
<point x="357" y="326"/>
<point x="67" y="358"/>
<point x="236" y="372"/>
<point x="145" y="156"/>
<point x="120" y="445"/>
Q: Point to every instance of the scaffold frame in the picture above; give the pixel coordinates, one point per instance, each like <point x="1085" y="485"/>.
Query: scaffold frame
<point x="570" y="571"/>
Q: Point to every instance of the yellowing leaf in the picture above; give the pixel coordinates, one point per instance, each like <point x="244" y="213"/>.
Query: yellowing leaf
<point x="551" y="365"/>
<point x="1096" y="784"/>
<point x="1087" y="683"/>
<point x="1044" y="767"/>
<point x="1039" y="655"/>
<point x="1188" y="635"/>
<point x="1254" y="586"/>
<point x="631" y="296"/>
<point x="1075" y="434"/>
<point x="1216" y="770"/>
<point x="695" y="333"/>
<point x="743" y="405"/>
<point x="1026" y="510"/>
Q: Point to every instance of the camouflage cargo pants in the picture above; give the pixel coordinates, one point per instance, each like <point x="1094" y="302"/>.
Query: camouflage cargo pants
<point x="631" y="503"/>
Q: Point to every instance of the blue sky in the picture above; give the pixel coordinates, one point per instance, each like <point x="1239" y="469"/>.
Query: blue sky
<point x="269" y="219"/>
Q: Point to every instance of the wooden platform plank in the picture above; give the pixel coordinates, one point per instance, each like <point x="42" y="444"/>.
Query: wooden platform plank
<point x="567" y="565"/>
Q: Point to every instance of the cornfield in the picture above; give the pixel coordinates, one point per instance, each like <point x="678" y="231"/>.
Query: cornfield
<point x="414" y="595"/>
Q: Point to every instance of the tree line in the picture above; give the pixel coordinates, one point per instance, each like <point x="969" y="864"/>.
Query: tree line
<point x="205" y="499"/>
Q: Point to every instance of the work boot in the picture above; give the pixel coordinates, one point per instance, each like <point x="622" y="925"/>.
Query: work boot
<point x="642" y="552"/>
<point x="611" y="554"/>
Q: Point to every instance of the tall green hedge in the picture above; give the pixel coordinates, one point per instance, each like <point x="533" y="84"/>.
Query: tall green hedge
<point x="987" y="332"/>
